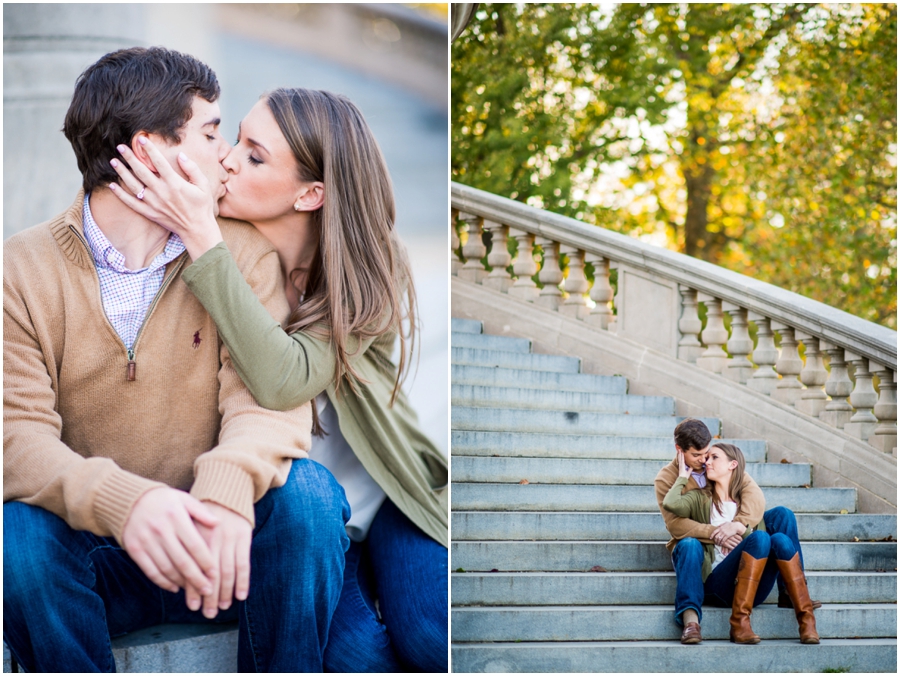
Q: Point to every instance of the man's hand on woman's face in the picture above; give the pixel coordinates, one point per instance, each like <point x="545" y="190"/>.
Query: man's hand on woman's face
<point x="683" y="469"/>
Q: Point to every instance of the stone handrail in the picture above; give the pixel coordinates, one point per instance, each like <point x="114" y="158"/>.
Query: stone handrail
<point x="656" y="305"/>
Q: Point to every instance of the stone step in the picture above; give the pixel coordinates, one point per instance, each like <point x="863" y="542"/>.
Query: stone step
<point x="644" y="526"/>
<point x="656" y="588"/>
<point x="655" y="623"/>
<point x="514" y="360"/>
<point x="458" y="325"/>
<point x="518" y="444"/>
<point x="597" y="498"/>
<point x="492" y="376"/>
<point x="172" y="648"/>
<point x="482" y="341"/>
<point x="600" y="471"/>
<point x="772" y="656"/>
<point x="567" y="422"/>
<point x="513" y="397"/>
<point x="575" y="556"/>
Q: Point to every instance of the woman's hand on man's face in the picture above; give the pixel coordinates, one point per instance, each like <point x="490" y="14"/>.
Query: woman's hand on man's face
<point x="185" y="207"/>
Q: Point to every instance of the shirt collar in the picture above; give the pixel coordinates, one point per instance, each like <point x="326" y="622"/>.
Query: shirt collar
<point x="107" y="256"/>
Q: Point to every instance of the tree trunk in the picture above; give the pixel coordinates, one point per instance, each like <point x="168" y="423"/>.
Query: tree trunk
<point x="698" y="182"/>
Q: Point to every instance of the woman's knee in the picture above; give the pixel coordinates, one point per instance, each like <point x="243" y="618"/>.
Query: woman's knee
<point x="688" y="548"/>
<point x="782" y="546"/>
<point x="758" y="544"/>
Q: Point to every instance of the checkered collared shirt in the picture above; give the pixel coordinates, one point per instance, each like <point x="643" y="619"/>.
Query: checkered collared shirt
<point x="126" y="294"/>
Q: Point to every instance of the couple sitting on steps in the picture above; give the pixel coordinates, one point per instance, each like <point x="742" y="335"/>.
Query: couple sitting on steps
<point x="725" y="548"/>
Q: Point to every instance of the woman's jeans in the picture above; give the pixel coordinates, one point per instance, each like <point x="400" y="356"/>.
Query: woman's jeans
<point x="407" y="572"/>
<point x="780" y="541"/>
<point x="67" y="592"/>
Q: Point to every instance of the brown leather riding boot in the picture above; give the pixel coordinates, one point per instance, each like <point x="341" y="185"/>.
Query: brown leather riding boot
<point x="795" y="585"/>
<point x="749" y="573"/>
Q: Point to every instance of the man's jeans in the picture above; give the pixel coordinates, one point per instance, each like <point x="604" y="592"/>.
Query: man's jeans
<point x="781" y="539"/>
<point x="407" y="571"/>
<point x="66" y="592"/>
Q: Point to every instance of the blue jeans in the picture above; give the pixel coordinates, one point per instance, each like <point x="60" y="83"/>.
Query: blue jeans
<point x="780" y="541"/>
<point x="407" y="571"/>
<point x="67" y="592"/>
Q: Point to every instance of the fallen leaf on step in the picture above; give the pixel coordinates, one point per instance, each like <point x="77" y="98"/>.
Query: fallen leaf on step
<point x="523" y="481"/>
<point x="785" y="461"/>
<point x="844" y="511"/>
<point x="856" y="539"/>
<point x="495" y="570"/>
<point x="717" y="437"/>
<point x="806" y="486"/>
<point x="598" y="569"/>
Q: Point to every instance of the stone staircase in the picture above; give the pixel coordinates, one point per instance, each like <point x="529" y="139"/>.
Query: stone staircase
<point x="558" y="546"/>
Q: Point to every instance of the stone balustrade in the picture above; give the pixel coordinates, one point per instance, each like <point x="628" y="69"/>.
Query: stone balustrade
<point x="566" y="265"/>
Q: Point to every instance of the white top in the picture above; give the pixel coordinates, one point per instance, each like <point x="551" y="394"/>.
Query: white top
<point x="364" y="495"/>
<point x="716" y="519"/>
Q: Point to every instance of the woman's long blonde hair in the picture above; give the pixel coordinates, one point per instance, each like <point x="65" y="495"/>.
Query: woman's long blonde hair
<point x="736" y="486"/>
<point x="360" y="284"/>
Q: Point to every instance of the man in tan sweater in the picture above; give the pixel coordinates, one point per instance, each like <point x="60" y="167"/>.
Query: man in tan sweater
<point x="141" y="478"/>
<point x="693" y="439"/>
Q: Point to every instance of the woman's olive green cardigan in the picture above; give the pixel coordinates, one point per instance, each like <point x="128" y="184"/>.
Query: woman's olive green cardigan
<point x="695" y="505"/>
<point x="285" y="371"/>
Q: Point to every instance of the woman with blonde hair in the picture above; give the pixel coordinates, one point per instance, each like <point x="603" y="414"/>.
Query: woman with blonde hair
<point x="744" y="576"/>
<point x="308" y="174"/>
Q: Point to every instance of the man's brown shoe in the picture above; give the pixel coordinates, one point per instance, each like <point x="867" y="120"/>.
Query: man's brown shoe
<point x="691" y="634"/>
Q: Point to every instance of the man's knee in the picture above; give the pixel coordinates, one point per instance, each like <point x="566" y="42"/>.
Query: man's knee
<point x="310" y="506"/>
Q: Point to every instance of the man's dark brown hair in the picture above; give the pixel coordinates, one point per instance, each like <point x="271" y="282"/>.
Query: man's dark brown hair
<point x="692" y="433"/>
<point x="129" y="91"/>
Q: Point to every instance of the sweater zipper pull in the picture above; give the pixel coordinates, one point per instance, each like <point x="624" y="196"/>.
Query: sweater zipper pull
<point x="132" y="366"/>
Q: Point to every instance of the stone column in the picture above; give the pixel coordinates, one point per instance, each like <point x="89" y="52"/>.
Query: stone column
<point x="498" y="258"/>
<point x="863" y="399"/>
<point x="524" y="267"/>
<point x="714" y="335"/>
<point x="551" y="275"/>
<point x="473" y="249"/>
<point x="601" y="292"/>
<point x="455" y="263"/>
<point x="837" y="411"/>
<point x="576" y="284"/>
<point x="689" y="347"/>
<point x="885" y="436"/>
<point x="45" y="49"/>
<point x="813" y="375"/>
<point x="788" y="366"/>
<point x="739" y="368"/>
<point x="765" y="355"/>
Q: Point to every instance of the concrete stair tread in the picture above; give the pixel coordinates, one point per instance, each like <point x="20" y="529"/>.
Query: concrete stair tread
<point x="495" y="376"/>
<point x="480" y="469"/>
<point x="644" y="526"/>
<point x="484" y="341"/>
<point x="459" y="325"/>
<point x="625" y="447"/>
<point x="605" y="498"/>
<point x="561" y="400"/>
<point x="468" y="356"/>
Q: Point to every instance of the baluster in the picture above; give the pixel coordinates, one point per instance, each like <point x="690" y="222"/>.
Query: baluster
<point x="714" y="335"/>
<point x="550" y="275"/>
<point x="576" y="284"/>
<point x="689" y="347"/>
<point x="765" y="355"/>
<point x="739" y="369"/>
<point x="885" y="436"/>
<point x="524" y="266"/>
<point x="813" y="400"/>
<point x="863" y="398"/>
<point x="473" y="249"/>
<point x="837" y="411"/>
<point x="601" y="292"/>
<point x="788" y="366"/>
<point x="455" y="263"/>
<point x="498" y="258"/>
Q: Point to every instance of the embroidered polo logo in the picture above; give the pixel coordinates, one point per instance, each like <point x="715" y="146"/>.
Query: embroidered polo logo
<point x="197" y="340"/>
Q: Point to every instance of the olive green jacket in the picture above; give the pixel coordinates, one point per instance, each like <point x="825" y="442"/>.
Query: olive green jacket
<point x="283" y="371"/>
<point x="695" y="505"/>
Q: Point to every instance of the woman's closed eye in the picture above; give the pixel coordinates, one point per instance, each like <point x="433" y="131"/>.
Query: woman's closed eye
<point x="253" y="160"/>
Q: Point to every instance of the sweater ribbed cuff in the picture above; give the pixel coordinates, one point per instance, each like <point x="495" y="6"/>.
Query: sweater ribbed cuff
<point x="116" y="498"/>
<point x="225" y="484"/>
<point x="209" y="258"/>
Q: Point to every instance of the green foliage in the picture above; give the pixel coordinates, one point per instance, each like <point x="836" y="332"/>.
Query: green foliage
<point x="759" y="137"/>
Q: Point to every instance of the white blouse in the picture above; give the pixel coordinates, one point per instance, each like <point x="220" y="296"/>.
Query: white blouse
<point x="729" y="510"/>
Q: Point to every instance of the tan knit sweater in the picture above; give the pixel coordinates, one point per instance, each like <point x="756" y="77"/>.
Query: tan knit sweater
<point x="82" y="440"/>
<point x="753" y="505"/>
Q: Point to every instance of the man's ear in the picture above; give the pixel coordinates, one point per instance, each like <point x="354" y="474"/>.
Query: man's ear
<point x="141" y="153"/>
<point x="310" y="197"/>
